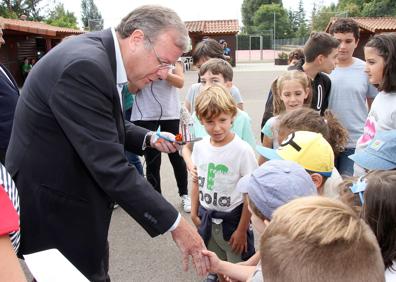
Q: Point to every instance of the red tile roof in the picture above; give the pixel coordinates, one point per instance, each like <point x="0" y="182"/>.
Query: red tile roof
<point x="213" y="27"/>
<point x="36" y="27"/>
<point x="375" y="25"/>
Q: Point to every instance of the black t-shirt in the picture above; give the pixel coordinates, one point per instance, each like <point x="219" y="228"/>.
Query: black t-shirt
<point x="321" y="85"/>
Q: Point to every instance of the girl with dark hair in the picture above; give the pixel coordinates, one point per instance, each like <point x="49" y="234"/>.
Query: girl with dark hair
<point x="380" y="55"/>
<point x="374" y="196"/>
<point x="379" y="211"/>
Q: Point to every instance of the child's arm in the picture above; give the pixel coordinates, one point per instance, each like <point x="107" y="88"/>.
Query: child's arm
<point x="11" y="269"/>
<point x="234" y="271"/>
<point x="267" y="138"/>
<point x="176" y="77"/>
<point x="252" y="261"/>
<point x="195" y="204"/>
<point x="186" y="153"/>
<point x="238" y="240"/>
<point x="267" y="142"/>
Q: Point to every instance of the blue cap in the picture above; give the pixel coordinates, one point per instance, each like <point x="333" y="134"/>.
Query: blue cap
<point x="380" y="154"/>
<point x="276" y="183"/>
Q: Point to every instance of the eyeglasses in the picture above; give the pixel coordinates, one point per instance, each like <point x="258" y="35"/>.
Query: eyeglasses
<point x="162" y="65"/>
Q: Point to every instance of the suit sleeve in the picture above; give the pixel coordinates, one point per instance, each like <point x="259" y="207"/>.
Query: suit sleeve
<point x="83" y="104"/>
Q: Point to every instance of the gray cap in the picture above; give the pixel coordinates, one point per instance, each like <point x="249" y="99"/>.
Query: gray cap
<point x="276" y="183"/>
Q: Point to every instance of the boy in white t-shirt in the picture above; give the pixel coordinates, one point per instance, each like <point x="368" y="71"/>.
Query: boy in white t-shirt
<point x="222" y="158"/>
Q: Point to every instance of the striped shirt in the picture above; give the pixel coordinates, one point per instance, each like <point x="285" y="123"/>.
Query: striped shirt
<point x="11" y="190"/>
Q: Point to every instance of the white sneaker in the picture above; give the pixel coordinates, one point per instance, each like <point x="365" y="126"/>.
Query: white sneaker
<point x="186" y="203"/>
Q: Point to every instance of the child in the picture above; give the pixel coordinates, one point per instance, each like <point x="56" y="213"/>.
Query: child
<point x="375" y="196"/>
<point x="292" y="92"/>
<point x="380" y="55"/>
<point x="204" y="51"/>
<point x="319" y="239"/>
<point x="320" y="56"/>
<point x="295" y="57"/>
<point x="379" y="211"/>
<point x="270" y="186"/>
<point x="308" y="149"/>
<point x="349" y="86"/>
<point x="218" y="72"/>
<point x="9" y="229"/>
<point x="305" y="119"/>
<point x="222" y="158"/>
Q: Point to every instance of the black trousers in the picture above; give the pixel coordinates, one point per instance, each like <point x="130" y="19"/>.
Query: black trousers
<point x="153" y="157"/>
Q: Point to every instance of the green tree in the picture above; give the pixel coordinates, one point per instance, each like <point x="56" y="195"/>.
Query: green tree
<point x="293" y="21"/>
<point x="89" y="12"/>
<point x="12" y="8"/>
<point x="263" y="20"/>
<point x="61" y="17"/>
<point x="34" y="9"/>
<point x="379" y="8"/>
<point x="322" y="17"/>
<point x="353" y="8"/>
<point x="249" y="8"/>
<point x="301" y="21"/>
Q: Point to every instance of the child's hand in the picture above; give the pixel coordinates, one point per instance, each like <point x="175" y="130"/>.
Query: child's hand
<point x="214" y="260"/>
<point x="196" y="220"/>
<point x="238" y="241"/>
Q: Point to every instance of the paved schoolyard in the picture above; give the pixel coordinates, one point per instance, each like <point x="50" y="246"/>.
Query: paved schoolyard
<point x="134" y="256"/>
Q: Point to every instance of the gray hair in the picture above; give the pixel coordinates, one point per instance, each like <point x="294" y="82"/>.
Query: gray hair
<point x="154" y="20"/>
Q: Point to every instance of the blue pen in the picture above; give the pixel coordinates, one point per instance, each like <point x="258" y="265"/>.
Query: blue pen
<point x="167" y="138"/>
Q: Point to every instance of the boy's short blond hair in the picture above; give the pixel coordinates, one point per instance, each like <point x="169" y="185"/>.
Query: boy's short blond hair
<point x="319" y="239"/>
<point x="217" y="66"/>
<point x="214" y="101"/>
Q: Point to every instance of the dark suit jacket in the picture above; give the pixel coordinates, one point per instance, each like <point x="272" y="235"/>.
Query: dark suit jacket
<point x="9" y="94"/>
<point x="67" y="155"/>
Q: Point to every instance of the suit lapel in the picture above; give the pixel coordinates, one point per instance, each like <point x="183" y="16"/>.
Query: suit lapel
<point x="10" y="80"/>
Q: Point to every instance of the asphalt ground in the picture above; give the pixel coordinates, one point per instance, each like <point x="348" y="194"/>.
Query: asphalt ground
<point x="134" y="255"/>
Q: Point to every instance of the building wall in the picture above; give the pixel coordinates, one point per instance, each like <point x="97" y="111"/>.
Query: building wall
<point x="12" y="57"/>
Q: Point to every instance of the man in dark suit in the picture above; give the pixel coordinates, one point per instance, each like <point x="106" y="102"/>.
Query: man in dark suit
<point x="9" y="94"/>
<point x="67" y="149"/>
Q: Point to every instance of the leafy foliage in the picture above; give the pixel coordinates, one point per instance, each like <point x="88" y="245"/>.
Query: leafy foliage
<point x="263" y="20"/>
<point x="249" y="8"/>
<point x="353" y="8"/>
<point x="61" y="17"/>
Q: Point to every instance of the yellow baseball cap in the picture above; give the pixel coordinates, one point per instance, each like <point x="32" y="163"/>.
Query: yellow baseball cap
<point x="308" y="149"/>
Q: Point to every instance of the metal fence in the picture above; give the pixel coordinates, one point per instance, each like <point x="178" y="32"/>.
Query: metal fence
<point x="263" y="47"/>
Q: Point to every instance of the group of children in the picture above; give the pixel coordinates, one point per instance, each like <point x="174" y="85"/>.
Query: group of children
<point x="337" y="230"/>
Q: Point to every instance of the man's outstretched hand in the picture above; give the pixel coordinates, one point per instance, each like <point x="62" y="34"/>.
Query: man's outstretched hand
<point x="191" y="244"/>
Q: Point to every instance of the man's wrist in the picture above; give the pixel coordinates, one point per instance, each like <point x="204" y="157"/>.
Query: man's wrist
<point x="147" y="140"/>
<point x="175" y="224"/>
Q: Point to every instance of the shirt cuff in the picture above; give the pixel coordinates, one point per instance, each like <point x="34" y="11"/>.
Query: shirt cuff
<point x="176" y="224"/>
<point x="146" y="140"/>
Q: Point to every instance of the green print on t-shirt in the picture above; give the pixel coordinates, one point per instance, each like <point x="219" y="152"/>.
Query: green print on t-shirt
<point x="212" y="171"/>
